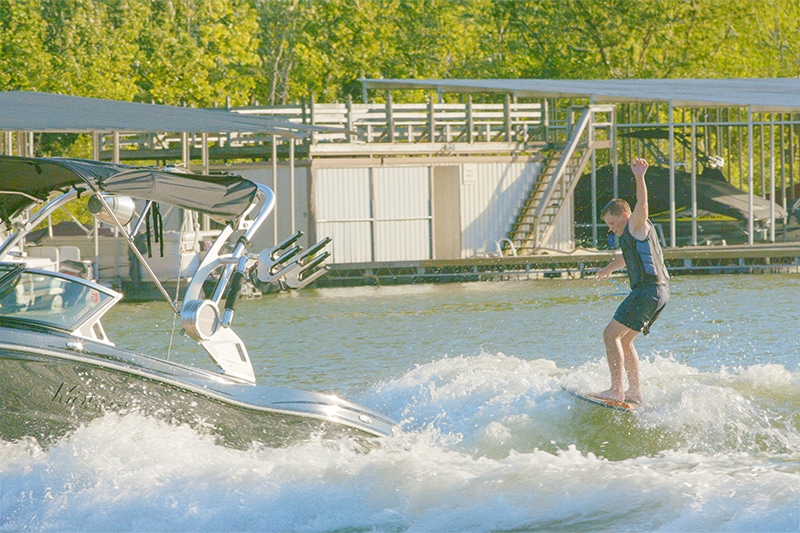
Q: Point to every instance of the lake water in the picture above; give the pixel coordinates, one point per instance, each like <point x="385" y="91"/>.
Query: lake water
<point x="490" y="442"/>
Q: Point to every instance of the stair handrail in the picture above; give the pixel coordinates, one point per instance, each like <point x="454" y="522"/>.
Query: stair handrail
<point x="582" y="161"/>
<point x="569" y="151"/>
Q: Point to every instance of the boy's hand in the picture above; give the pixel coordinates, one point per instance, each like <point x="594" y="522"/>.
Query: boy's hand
<point x="604" y="273"/>
<point x="639" y="167"/>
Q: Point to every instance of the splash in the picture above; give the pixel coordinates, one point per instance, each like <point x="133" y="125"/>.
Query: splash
<point x="489" y="442"/>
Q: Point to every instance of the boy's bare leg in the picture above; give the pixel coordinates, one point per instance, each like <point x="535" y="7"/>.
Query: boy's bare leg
<point x="613" y="337"/>
<point x="631" y="361"/>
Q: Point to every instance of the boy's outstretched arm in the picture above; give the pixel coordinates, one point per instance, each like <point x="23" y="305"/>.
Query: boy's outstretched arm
<point x="617" y="263"/>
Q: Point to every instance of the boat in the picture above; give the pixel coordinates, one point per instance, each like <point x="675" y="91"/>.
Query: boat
<point x="59" y="367"/>
<point x="721" y="210"/>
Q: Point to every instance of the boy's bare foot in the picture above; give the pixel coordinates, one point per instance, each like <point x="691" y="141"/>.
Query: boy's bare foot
<point x="631" y="397"/>
<point x="609" y="395"/>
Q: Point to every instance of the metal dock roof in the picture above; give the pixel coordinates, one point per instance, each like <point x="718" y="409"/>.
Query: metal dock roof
<point x="760" y="94"/>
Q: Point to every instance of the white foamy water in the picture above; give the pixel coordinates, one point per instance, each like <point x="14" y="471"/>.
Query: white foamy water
<point x="489" y="441"/>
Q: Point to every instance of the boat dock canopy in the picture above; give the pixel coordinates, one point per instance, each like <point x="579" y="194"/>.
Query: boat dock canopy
<point x="760" y="94"/>
<point x="43" y="112"/>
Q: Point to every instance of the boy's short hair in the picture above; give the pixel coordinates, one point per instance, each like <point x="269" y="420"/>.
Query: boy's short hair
<point x="615" y="207"/>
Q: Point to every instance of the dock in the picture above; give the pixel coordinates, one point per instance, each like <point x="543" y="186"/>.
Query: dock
<point x="738" y="259"/>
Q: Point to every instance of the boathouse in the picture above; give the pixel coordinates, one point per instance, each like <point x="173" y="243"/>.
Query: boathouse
<point x="489" y="177"/>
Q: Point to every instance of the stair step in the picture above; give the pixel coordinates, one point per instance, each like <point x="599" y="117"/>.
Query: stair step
<point x="526" y="230"/>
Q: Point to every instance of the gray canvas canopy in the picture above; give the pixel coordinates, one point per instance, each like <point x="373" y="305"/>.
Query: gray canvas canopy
<point x="24" y="181"/>
<point x="760" y="94"/>
<point x="43" y="112"/>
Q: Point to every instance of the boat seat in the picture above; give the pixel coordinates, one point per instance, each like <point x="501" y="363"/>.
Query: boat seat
<point x="69" y="253"/>
<point x="47" y="252"/>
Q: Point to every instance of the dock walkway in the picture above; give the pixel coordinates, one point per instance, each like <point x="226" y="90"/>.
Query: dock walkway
<point x="759" y="258"/>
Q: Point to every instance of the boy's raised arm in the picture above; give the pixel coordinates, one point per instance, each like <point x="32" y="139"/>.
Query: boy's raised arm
<point x="637" y="224"/>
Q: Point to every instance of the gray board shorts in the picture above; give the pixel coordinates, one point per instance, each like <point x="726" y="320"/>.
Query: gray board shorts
<point x="641" y="307"/>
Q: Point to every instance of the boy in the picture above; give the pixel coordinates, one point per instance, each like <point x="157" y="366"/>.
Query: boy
<point x="642" y="256"/>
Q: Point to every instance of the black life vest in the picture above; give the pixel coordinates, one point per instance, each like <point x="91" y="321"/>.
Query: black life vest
<point x="643" y="258"/>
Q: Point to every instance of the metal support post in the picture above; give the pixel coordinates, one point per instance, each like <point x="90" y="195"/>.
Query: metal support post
<point x="672" y="222"/>
<point x="750" y="206"/>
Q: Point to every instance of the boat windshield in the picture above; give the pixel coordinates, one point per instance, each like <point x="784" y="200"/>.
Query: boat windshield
<point x="50" y="298"/>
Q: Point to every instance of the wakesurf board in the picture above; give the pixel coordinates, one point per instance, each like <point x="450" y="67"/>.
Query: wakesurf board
<point x="611" y="404"/>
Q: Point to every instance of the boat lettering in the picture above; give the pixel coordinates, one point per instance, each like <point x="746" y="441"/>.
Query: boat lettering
<point x="75" y="397"/>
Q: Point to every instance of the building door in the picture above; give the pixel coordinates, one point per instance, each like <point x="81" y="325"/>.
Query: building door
<point x="446" y="212"/>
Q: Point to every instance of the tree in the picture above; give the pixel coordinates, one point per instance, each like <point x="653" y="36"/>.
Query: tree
<point x="24" y="60"/>
<point x="89" y="55"/>
<point x="278" y="27"/>
<point x="777" y="39"/>
<point x="337" y="42"/>
<point x="624" y="39"/>
<point x="198" y="53"/>
<point x="201" y="52"/>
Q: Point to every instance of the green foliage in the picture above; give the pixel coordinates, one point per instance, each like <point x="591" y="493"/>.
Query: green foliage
<point x="75" y="211"/>
<point x="198" y="53"/>
<point x="207" y="52"/>
<point x="776" y="32"/>
<point x="24" y="60"/>
<point x="579" y="39"/>
<point x="90" y="56"/>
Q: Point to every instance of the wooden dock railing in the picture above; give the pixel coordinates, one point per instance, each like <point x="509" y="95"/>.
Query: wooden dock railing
<point x="361" y="124"/>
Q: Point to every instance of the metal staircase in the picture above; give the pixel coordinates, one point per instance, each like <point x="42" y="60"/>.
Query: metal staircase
<point x="548" y="207"/>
